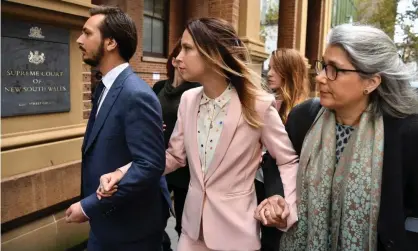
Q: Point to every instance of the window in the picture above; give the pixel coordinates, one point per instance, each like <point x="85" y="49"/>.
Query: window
<point x="154" y="28"/>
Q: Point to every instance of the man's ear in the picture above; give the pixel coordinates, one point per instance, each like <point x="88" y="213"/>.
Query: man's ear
<point x="110" y="44"/>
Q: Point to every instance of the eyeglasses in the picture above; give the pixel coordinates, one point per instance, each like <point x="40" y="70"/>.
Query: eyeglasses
<point x="331" y="71"/>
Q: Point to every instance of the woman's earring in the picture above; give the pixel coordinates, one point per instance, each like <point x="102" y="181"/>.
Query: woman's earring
<point x="365" y="92"/>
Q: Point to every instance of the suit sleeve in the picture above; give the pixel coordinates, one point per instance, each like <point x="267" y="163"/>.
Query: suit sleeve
<point x="410" y="139"/>
<point x="291" y="127"/>
<point x="277" y="142"/>
<point x="144" y="137"/>
<point x="176" y="152"/>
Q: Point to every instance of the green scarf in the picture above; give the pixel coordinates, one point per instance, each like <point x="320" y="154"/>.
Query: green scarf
<point x="338" y="204"/>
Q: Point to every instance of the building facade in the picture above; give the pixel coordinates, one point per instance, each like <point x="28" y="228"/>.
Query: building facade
<point x="304" y="25"/>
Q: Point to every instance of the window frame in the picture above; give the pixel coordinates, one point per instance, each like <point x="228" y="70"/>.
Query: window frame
<point x="164" y="19"/>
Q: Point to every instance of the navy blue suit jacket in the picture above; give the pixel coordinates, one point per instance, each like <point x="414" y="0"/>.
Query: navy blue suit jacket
<point x="127" y="128"/>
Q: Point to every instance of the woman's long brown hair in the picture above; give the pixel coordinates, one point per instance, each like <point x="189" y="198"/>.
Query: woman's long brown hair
<point x="219" y="44"/>
<point x="290" y="66"/>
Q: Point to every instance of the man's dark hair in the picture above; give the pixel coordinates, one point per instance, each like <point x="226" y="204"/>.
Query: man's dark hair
<point x="119" y="26"/>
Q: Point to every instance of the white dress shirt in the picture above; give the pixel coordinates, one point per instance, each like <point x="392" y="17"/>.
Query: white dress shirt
<point x="210" y="120"/>
<point x="108" y="80"/>
<point x="211" y="111"/>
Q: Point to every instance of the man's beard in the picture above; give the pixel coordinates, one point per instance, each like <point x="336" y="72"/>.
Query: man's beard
<point x="97" y="57"/>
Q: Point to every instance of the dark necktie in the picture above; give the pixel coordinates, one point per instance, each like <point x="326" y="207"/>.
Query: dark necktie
<point x="96" y="100"/>
<point x="97" y="97"/>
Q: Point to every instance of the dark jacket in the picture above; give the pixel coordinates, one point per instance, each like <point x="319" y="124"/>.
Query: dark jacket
<point x="399" y="195"/>
<point x="169" y="98"/>
<point x="126" y="129"/>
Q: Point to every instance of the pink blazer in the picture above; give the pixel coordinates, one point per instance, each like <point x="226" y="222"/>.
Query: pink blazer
<point x="223" y="201"/>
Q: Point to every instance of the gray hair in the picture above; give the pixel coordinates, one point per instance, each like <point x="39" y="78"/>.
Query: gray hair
<point x="370" y="50"/>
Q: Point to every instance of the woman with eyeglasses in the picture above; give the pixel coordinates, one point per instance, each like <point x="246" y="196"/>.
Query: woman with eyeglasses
<point x="358" y="171"/>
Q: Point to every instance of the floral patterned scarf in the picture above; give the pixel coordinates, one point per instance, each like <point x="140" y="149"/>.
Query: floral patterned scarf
<point x="338" y="204"/>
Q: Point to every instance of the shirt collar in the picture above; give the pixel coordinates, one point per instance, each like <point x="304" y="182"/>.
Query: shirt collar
<point x="111" y="76"/>
<point x="220" y="101"/>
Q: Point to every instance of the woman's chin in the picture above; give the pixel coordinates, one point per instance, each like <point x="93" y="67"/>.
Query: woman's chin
<point x="326" y="102"/>
<point x="187" y="78"/>
<point x="273" y="87"/>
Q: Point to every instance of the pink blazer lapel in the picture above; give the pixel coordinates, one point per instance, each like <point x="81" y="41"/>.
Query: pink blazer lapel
<point x="192" y="130"/>
<point x="228" y="131"/>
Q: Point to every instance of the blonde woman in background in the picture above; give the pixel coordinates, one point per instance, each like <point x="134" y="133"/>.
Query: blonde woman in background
<point x="288" y="79"/>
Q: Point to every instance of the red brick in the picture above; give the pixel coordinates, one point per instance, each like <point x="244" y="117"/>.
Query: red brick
<point x="86" y="87"/>
<point x="86" y="114"/>
<point x="86" y="96"/>
<point x="87" y="105"/>
<point x="86" y="76"/>
<point x="287" y="27"/>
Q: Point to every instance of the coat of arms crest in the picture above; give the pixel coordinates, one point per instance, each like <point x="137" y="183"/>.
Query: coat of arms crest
<point x="36" y="58"/>
<point x="36" y="32"/>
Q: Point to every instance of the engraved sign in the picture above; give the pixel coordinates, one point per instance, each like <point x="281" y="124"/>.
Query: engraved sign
<point x="36" y="32"/>
<point x="35" y="69"/>
<point x="36" y="58"/>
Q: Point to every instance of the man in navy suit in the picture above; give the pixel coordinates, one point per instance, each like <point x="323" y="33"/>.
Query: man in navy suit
<point x="125" y="125"/>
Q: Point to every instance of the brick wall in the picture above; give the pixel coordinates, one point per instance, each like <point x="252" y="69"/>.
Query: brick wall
<point x="87" y="88"/>
<point x="179" y="12"/>
<point x="144" y="68"/>
<point x="287" y="27"/>
<point x="177" y="22"/>
<point x="225" y="9"/>
<point x="314" y="30"/>
<point x="196" y="8"/>
<point x="134" y="9"/>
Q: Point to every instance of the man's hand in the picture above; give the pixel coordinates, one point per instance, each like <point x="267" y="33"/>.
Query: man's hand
<point x="74" y="214"/>
<point x="108" y="183"/>
<point x="273" y="211"/>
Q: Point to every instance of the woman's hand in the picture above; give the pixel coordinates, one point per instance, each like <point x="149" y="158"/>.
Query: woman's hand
<point x="108" y="183"/>
<point x="273" y="211"/>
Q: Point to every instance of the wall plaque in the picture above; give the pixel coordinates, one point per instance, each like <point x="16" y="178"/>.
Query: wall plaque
<point x="35" y="74"/>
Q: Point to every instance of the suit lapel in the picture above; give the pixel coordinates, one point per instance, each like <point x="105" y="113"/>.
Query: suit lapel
<point x="228" y="131"/>
<point x="88" y="129"/>
<point x="194" y="158"/>
<point x="107" y="105"/>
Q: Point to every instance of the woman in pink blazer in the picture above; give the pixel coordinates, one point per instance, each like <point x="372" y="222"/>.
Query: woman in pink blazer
<point x="220" y="129"/>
